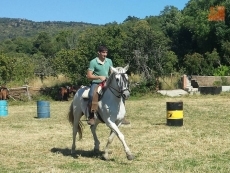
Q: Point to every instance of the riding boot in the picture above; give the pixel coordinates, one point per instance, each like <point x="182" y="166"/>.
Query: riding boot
<point x="91" y="120"/>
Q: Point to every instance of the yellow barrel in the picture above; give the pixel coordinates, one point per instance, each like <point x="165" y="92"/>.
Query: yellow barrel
<point x="174" y="113"/>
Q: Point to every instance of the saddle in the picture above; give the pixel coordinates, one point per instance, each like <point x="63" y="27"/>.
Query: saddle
<point x="96" y="95"/>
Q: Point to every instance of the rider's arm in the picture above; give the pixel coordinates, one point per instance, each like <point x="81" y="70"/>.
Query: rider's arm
<point x="90" y="76"/>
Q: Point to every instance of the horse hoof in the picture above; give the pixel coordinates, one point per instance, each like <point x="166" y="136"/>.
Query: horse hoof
<point x="73" y="151"/>
<point x="105" y="156"/>
<point x="97" y="151"/>
<point x="130" y="157"/>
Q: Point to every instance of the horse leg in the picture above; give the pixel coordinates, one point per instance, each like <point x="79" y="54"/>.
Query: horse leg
<point x="110" y="140"/>
<point x="62" y="96"/>
<point x="96" y="141"/>
<point x="4" y="94"/>
<point x="121" y="137"/>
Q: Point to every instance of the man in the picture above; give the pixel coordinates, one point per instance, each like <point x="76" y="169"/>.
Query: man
<point x="98" y="71"/>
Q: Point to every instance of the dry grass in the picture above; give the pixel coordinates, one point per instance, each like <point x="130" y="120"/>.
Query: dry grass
<point x="36" y="82"/>
<point x="48" y="81"/>
<point x="202" y="144"/>
<point x="170" y="82"/>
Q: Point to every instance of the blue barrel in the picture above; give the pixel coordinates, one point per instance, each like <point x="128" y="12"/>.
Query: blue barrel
<point x="3" y="108"/>
<point x="43" y="109"/>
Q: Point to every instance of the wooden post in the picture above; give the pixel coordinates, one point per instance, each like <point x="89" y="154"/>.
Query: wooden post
<point x="27" y="91"/>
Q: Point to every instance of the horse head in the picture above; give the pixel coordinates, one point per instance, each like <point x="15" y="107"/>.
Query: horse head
<point x="121" y="82"/>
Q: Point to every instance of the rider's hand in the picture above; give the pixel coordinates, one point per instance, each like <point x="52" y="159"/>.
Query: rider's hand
<point x="102" y="78"/>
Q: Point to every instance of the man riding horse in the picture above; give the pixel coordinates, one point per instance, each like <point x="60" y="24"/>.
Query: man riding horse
<point x="98" y="71"/>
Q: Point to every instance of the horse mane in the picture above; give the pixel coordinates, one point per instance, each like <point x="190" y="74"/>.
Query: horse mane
<point x="120" y="69"/>
<point x="108" y="81"/>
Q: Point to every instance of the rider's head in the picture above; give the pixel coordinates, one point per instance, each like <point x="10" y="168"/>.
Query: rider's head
<point x="102" y="52"/>
<point x="102" y="49"/>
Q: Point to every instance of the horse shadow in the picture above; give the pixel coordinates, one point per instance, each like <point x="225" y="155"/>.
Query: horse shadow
<point x="82" y="153"/>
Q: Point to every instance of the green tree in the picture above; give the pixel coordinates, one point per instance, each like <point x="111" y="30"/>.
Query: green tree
<point x="44" y="45"/>
<point x="4" y="68"/>
<point x="43" y="66"/>
<point x="16" y="67"/>
<point x="111" y="35"/>
<point x="69" y="63"/>
<point x="225" y="46"/>
<point x="146" y="45"/>
<point x="23" y="45"/>
<point x="193" y="63"/>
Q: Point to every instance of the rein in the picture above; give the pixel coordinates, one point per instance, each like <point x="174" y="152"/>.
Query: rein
<point x="119" y="91"/>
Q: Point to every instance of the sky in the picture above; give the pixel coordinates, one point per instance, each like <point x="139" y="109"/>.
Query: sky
<point x="88" y="11"/>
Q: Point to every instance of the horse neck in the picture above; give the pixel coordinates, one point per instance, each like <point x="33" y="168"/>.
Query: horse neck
<point x="112" y="88"/>
<point x="111" y="82"/>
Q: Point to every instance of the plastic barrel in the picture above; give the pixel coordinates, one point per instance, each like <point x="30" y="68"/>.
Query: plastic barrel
<point x="43" y="109"/>
<point x="174" y="113"/>
<point x="3" y="108"/>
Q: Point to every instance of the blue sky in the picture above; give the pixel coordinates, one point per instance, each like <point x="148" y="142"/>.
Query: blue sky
<point x="89" y="11"/>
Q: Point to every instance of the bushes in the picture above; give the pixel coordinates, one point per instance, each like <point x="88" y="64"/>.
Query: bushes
<point x="18" y="67"/>
<point x="140" y="86"/>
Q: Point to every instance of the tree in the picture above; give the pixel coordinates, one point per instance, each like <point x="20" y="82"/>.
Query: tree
<point x="23" y="45"/>
<point x="193" y="63"/>
<point x="17" y="67"/>
<point x="131" y="19"/>
<point x="69" y="63"/>
<point x="43" y="66"/>
<point x="43" y="44"/>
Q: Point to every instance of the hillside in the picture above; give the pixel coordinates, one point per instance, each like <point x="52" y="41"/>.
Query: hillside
<point x="13" y="27"/>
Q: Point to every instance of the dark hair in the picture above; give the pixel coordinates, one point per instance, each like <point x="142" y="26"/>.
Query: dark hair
<point x="102" y="48"/>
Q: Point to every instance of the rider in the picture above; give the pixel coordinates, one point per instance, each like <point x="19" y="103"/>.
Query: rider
<point x="98" y="71"/>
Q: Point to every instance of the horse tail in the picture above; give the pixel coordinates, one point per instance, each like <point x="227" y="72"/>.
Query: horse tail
<point x="71" y="120"/>
<point x="80" y="129"/>
<point x="70" y="114"/>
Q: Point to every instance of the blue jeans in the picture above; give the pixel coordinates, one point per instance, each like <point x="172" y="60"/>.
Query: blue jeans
<point x="92" y="88"/>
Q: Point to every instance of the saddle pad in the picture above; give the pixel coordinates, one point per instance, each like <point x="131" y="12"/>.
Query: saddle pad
<point x="85" y="94"/>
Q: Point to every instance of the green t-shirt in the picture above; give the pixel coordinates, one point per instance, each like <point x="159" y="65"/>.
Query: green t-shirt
<point x="99" y="68"/>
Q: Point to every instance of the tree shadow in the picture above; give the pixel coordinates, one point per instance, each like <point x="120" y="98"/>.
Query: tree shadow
<point x="82" y="153"/>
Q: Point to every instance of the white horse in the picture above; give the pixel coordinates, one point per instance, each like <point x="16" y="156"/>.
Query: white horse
<point x="111" y="109"/>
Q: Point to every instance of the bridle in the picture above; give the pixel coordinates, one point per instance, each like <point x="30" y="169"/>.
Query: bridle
<point x="119" y="92"/>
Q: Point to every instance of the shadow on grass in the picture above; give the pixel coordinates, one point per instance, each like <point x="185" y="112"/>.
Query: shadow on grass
<point x="158" y="124"/>
<point x="82" y="153"/>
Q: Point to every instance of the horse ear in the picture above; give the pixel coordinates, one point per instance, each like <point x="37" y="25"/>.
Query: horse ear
<point x="126" y="67"/>
<point x="113" y="69"/>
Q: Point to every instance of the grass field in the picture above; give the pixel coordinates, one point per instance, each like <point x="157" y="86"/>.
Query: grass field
<point x="202" y="144"/>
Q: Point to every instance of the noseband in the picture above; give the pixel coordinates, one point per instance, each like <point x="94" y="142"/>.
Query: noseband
<point x="123" y="82"/>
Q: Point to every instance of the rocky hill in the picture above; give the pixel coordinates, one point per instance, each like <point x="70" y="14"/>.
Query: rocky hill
<point x="13" y="27"/>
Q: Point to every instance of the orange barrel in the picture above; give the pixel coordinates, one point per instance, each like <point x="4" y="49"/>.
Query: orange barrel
<point x="174" y="113"/>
